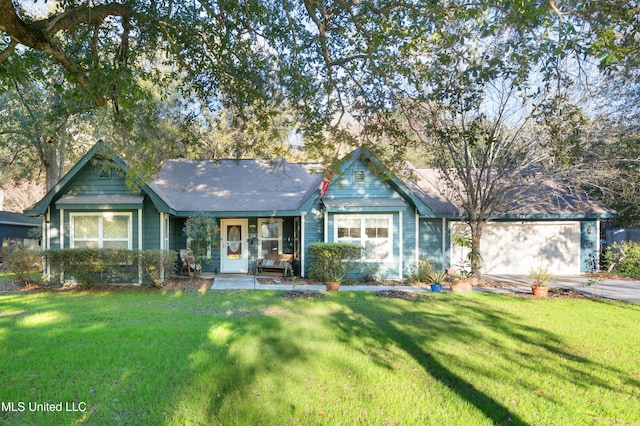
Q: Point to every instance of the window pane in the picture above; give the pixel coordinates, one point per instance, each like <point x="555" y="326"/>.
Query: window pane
<point x="85" y="227"/>
<point x="349" y="228"/>
<point x="269" y="247"/>
<point x="377" y="228"/>
<point x="349" y="233"/>
<point x="115" y="244"/>
<point x="115" y="227"/>
<point x="376" y="250"/>
<point x="274" y="230"/>
<point x="86" y="244"/>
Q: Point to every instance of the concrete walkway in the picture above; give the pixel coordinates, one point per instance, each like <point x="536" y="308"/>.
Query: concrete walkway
<point x="624" y="290"/>
<point x="249" y="282"/>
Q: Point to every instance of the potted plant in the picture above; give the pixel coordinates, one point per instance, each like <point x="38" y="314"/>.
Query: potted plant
<point x="539" y="280"/>
<point x="331" y="262"/>
<point x="437" y="278"/>
<point x="462" y="282"/>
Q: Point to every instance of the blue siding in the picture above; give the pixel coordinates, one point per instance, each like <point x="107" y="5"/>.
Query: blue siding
<point x="89" y="182"/>
<point x="15" y="231"/>
<point x="359" y="182"/>
<point x="150" y="227"/>
<point x="346" y="185"/>
<point x="430" y="235"/>
<point x="313" y="231"/>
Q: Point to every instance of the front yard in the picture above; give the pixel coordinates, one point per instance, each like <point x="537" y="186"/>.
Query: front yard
<point x="171" y="357"/>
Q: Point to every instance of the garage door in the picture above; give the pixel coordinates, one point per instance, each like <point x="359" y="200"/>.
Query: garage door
<point x="515" y="248"/>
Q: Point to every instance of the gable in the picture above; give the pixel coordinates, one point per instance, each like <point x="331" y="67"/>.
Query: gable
<point x="88" y="185"/>
<point x="357" y="188"/>
<point x="94" y="180"/>
<point x="363" y="183"/>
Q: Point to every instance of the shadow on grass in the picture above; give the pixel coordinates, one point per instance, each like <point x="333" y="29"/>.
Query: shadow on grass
<point x="138" y="357"/>
<point x="424" y="334"/>
<point x="187" y="359"/>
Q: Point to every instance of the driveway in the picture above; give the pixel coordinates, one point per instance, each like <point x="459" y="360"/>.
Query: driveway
<point x="624" y="290"/>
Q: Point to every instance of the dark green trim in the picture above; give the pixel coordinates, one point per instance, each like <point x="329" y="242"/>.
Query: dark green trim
<point x="101" y="207"/>
<point x="239" y="214"/>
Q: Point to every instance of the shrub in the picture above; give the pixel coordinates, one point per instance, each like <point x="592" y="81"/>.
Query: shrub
<point x="624" y="259"/>
<point x="26" y="265"/>
<point x="421" y="273"/>
<point x="154" y="261"/>
<point x="92" y="267"/>
<point x="331" y="262"/>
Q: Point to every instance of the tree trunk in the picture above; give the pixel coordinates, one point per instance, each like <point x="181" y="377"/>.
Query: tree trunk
<point x="474" y="256"/>
<point x="49" y="158"/>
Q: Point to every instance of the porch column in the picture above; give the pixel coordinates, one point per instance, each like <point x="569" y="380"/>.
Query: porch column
<point x="140" y="246"/>
<point x="46" y="238"/>
<point x="444" y="241"/>
<point x="47" y="229"/>
<point x="61" y="228"/>
<point x="326" y="226"/>
<point x="302" y="245"/>
<point x="417" y="248"/>
<point x="162" y="242"/>
<point x="400" y="245"/>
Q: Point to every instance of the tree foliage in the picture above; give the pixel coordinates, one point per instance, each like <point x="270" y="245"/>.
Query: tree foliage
<point x="323" y="61"/>
<point x="343" y="71"/>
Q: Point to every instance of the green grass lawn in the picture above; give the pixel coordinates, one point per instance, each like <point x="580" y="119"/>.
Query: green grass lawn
<point x="254" y="357"/>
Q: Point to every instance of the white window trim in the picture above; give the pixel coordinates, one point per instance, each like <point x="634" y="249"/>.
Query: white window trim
<point x="260" y="238"/>
<point x="72" y="216"/>
<point x="363" y="217"/>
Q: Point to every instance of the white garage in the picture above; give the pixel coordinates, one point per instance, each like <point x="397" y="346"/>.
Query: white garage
<point x="516" y="247"/>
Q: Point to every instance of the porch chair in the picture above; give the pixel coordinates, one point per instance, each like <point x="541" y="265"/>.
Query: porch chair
<point x="187" y="261"/>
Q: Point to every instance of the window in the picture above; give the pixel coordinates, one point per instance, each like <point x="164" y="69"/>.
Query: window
<point x="358" y="176"/>
<point x="101" y="230"/>
<point x="270" y="236"/>
<point x="373" y="232"/>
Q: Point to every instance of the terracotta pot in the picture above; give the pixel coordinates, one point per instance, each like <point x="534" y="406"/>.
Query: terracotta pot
<point x="332" y="286"/>
<point x="460" y="286"/>
<point x="540" y="291"/>
<point x="474" y="280"/>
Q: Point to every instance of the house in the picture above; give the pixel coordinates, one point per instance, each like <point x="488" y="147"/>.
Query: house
<point x="270" y="207"/>
<point x="17" y="230"/>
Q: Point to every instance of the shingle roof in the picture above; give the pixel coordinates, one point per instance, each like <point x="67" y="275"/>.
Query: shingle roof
<point x="235" y="185"/>
<point x="9" y="218"/>
<point x="426" y="186"/>
<point x="549" y="198"/>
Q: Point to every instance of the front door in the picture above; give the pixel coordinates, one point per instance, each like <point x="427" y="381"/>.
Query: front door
<point x="233" y="250"/>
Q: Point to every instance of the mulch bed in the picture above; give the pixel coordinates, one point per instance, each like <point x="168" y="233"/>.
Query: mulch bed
<point x="304" y="294"/>
<point x="188" y="284"/>
<point x="399" y="294"/>
<point x="178" y="284"/>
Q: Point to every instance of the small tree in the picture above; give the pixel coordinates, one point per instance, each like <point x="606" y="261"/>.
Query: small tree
<point x="202" y="231"/>
<point x="331" y="262"/>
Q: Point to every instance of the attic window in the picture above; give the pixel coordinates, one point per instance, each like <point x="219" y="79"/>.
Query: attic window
<point x="104" y="173"/>
<point x="358" y="176"/>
